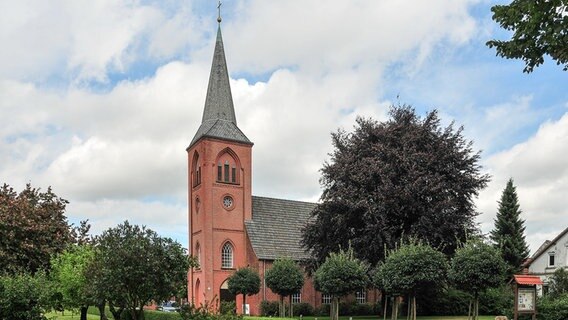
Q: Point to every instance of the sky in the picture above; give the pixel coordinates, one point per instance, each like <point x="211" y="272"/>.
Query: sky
<point x="99" y="99"/>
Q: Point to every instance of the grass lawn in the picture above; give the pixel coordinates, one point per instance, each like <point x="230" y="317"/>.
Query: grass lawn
<point x="69" y="315"/>
<point x="375" y="318"/>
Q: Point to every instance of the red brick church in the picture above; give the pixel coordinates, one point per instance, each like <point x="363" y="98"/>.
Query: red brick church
<point x="229" y="227"/>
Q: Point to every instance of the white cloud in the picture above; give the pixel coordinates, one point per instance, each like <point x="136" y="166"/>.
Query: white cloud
<point x="538" y="167"/>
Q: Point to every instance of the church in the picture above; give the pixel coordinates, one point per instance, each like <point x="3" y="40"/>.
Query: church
<point x="229" y="228"/>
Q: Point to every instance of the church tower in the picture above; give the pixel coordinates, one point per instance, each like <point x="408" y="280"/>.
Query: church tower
<point x="219" y="163"/>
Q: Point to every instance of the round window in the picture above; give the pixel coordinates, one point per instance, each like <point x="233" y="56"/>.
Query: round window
<point x="228" y="202"/>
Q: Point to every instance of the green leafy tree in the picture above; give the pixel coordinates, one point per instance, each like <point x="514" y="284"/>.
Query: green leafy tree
<point x="33" y="228"/>
<point x="24" y="296"/>
<point x="245" y="281"/>
<point x="509" y="232"/>
<point x="558" y="283"/>
<point x="139" y="266"/>
<point x="284" y="278"/>
<point x="68" y="271"/>
<point x="476" y="267"/>
<point x="540" y="28"/>
<point x="406" y="176"/>
<point x="410" y="268"/>
<point x="340" y="275"/>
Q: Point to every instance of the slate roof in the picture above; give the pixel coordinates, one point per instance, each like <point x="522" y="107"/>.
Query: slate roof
<point x="219" y="120"/>
<point x="276" y="226"/>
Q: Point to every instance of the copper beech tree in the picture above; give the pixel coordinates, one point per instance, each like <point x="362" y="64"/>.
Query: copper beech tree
<point x="404" y="177"/>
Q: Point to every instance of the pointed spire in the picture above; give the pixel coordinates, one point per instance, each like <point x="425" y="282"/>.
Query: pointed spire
<point x="219" y="120"/>
<point x="219" y="101"/>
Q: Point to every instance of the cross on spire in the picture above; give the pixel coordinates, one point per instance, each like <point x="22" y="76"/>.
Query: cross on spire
<point x="219" y="10"/>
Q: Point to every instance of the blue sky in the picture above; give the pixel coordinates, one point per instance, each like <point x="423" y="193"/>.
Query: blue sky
<point x="100" y="99"/>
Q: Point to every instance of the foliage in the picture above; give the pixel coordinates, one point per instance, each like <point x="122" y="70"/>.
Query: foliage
<point x="477" y="267"/>
<point x="303" y="309"/>
<point x="68" y="271"/>
<point x="138" y="266"/>
<point x="245" y="281"/>
<point x="33" y="228"/>
<point x="508" y="234"/>
<point x="269" y="308"/>
<point x="405" y="177"/>
<point x="205" y="312"/>
<point x="339" y="275"/>
<point x="284" y="278"/>
<point x="497" y="301"/>
<point x="558" y="282"/>
<point x="160" y="315"/>
<point x="540" y="28"/>
<point x="443" y="302"/>
<point x="552" y="308"/>
<point x="409" y="268"/>
<point x="24" y="296"/>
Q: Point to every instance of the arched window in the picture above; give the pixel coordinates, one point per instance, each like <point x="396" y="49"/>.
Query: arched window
<point x="196" y="170"/>
<point x="198" y="254"/>
<point x="227" y="256"/>
<point x="228" y="167"/>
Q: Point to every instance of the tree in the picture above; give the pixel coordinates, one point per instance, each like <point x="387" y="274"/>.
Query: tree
<point x="508" y="234"/>
<point x="24" y="296"/>
<point x="540" y="28"/>
<point x="245" y="281"/>
<point x="405" y="177"/>
<point x="139" y="266"/>
<point x="411" y="267"/>
<point x="476" y="267"/>
<point x="558" y="283"/>
<point x="33" y="228"/>
<point x="340" y="275"/>
<point x="285" y="278"/>
<point x="68" y="271"/>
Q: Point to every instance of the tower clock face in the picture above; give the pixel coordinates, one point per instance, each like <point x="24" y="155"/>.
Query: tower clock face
<point x="228" y="202"/>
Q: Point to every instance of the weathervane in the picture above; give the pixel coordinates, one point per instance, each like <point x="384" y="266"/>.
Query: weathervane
<point x="219" y="9"/>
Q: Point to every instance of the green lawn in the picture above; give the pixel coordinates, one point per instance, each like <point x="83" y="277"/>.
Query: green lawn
<point x="375" y="318"/>
<point x="69" y="315"/>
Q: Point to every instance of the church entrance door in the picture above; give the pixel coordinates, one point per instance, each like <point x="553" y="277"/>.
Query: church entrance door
<point x="224" y="294"/>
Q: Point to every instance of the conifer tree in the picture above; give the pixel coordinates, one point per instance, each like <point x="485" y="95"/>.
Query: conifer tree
<point x="509" y="233"/>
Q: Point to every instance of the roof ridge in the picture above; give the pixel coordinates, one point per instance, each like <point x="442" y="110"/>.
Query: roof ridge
<point x="290" y="200"/>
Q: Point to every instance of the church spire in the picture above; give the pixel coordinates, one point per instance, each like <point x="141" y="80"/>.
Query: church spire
<point x="219" y="120"/>
<point x="219" y="101"/>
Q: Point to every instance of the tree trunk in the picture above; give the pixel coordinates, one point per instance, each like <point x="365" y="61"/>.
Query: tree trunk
<point x="408" y="308"/>
<point x="385" y="308"/>
<point x="84" y="312"/>
<point x="476" y="308"/>
<point x="291" y="308"/>
<point x="469" y="310"/>
<point x="281" y="307"/>
<point x="244" y="302"/>
<point x="414" y="307"/>
<point x="115" y="312"/>
<point x="335" y="309"/>
<point x="395" y="308"/>
<point x="101" y="307"/>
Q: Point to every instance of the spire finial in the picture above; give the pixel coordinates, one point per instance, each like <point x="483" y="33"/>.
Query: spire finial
<point x="219" y="10"/>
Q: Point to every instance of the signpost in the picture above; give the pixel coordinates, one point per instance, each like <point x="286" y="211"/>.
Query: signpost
<point x="525" y="295"/>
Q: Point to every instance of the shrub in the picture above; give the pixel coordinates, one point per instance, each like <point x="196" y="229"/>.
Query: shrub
<point x="553" y="308"/>
<point x="228" y="307"/>
<point x="322" y="310"/>
<point x="304" y="309"/>
<point x="160" y="315"/>
<point x="269" y="308"/>
<point x="444" y="302"/>
<point x="497" y="301"/>
<point x="25" y="296"/>
<point x="362" y="309"/>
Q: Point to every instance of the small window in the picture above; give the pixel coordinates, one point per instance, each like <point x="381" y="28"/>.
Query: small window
<point x="227" y="256"/>
<point x="325" y="298"/>
<point x="234" y="175"/>
<point x="219" y="172"/>
<point x="361" y="296"/>
<point x="199" y="175"/>
<point x="198" y="254"/>
<point x="297" y="297"/>
<point x="551" y="259"/>
<point x="226" y="171"/>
